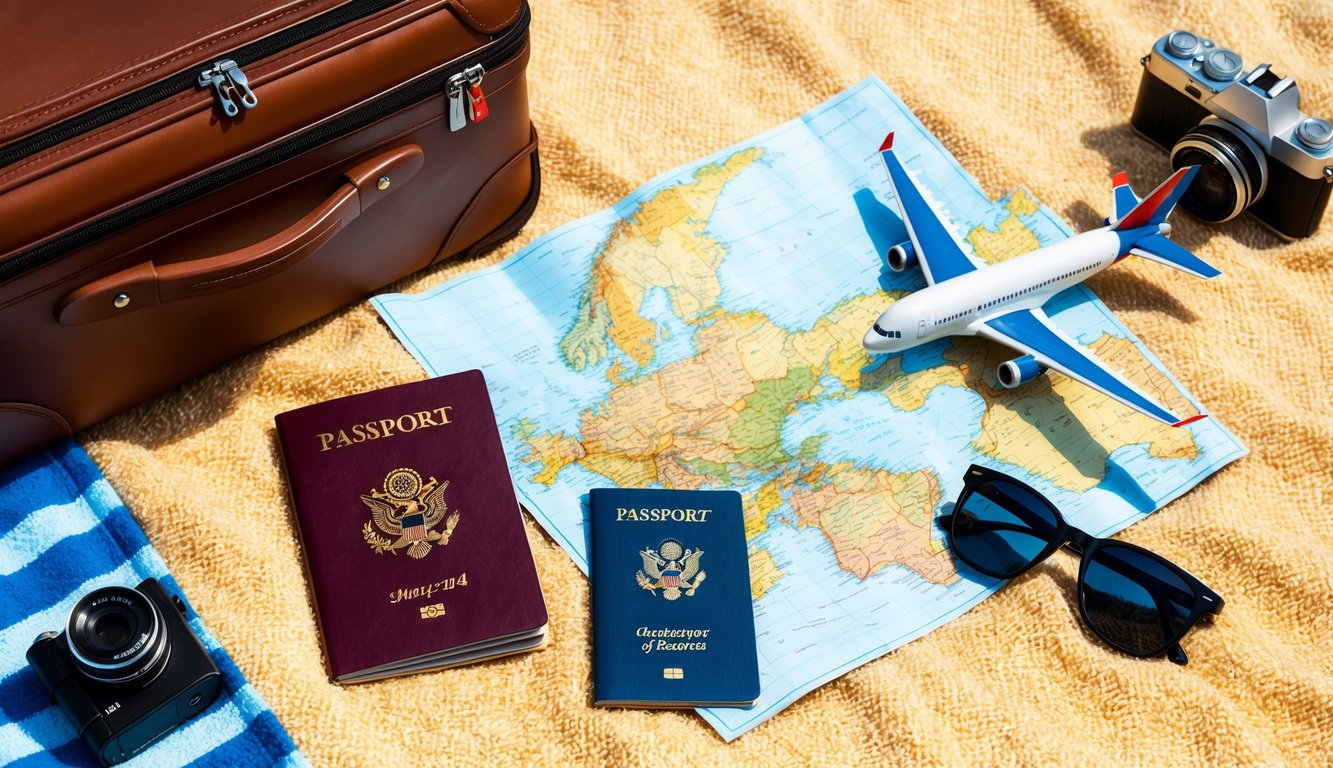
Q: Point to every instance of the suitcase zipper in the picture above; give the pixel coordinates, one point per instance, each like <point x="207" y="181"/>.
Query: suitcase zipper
<point x="186" y="81"/>
<point x="470" y="106"/>
<point x="229" y="85"/>
<point x="412" y="92"/>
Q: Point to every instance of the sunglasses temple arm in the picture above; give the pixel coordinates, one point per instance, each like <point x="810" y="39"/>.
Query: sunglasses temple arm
<point x="996" y="546"/>
<point x="1177" y="654"/>
<point x="1151" y="583"/>
<point x="1034" y="520"/>
<point x="1008" y="527"/>
<point x="946" y="521"/>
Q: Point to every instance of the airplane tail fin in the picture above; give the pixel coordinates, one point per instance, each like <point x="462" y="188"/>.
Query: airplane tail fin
<point x="1154" y="208"/>
<point x="1157" y="248"/>
<point x="1125" y="199"/>
<point x="1132" y="213"/>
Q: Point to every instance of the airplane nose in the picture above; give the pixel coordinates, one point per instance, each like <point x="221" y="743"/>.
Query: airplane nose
<point x="873" y="342"/>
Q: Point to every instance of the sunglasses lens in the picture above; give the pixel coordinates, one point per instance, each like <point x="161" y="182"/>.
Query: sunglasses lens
<point x="1001" y="528"/>
<point x="1134" y="600"/>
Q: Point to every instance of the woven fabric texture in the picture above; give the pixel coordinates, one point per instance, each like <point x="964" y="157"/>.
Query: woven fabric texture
<point x="1036" y="94"/>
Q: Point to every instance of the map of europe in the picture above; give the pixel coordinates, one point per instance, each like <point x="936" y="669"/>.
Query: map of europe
<point x="705" y="332"/>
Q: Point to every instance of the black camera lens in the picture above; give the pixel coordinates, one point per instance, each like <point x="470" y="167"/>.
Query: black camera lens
<point x="112" y="630"/>
<point x="115" y="636"/>
<point x="1233" y="171"/>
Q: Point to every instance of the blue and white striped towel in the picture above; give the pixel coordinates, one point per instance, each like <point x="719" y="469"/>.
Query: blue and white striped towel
<point x="63" y="532"/>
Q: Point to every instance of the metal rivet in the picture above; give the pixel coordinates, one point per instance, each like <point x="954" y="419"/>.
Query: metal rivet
<point x="382" y="183"/>
<point x="121" y="301"/>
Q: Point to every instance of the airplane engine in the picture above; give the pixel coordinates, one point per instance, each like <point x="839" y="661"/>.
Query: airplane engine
<point x="901" y="256"/>
<point x="1019" y="371"/>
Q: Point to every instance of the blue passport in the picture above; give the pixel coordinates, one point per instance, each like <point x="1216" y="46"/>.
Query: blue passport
<point x="673" y="623"/>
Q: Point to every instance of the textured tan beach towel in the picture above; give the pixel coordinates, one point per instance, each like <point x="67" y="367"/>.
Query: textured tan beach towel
<point x="1035" y="94"/>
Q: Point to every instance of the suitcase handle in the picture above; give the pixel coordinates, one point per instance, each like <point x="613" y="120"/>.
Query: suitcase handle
<point x="147" y="284"/>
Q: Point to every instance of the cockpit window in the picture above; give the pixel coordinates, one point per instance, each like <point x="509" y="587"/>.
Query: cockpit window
<point x="880" y="331"/>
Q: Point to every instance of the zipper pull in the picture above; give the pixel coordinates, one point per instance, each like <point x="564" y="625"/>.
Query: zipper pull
<point x="467" y="102"/>
<point x="229" y="85"/>
<point x="242" y="85"/>
<point x="457" y="103"/>
<point x="476" y="99"/>
<point x="213" y="78"/>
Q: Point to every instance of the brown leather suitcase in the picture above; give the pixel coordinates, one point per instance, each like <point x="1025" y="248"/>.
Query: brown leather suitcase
<point x="180" y="182"/>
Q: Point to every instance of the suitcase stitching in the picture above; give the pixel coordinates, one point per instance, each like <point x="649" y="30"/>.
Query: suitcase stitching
<point x="144" y="70"/>
<point x="129" y="121"/>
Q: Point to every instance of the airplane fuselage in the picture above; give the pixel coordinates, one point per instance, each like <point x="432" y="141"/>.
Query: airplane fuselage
<point x="954" y="307"/>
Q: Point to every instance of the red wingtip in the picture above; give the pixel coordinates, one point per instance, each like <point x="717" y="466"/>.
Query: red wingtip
<point x="888" y="142"/>
<point x="1120" y="179"/>
<point x="1190" y="420"/>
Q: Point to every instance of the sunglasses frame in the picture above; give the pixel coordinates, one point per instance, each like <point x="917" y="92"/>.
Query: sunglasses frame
<point x="1207" y="603"/>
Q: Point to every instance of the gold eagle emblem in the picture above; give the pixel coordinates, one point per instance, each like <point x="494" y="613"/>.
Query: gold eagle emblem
<point x="407" y="511"/>
<point x="672" y="569"/>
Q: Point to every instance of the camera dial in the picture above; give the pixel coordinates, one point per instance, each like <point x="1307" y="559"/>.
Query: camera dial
<point x="1315" y="133"/>
<point x="116" y="636"/>
<point x="1182" y="44"/>
<point x="1222" y="64"/>
<point x="1233" y="172"/>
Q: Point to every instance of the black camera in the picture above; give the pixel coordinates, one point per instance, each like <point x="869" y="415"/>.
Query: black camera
<point x="1257" y="150"/>
<point x="126" y="670"/>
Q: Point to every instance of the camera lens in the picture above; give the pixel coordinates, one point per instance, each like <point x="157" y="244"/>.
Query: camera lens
<point x="112" y="630"/>
<point x="116" y="636"/>
<point x="1233" y="171"/>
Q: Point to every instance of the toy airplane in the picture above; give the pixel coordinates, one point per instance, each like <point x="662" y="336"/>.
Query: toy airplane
<point x="1002" y="302"/>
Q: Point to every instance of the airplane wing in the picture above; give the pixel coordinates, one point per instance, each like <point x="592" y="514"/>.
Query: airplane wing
<point x="1030" y="331"/>
<point x="938" y="249"/>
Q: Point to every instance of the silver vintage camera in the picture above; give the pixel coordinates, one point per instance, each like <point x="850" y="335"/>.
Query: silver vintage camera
<point x="1257" y="150"/>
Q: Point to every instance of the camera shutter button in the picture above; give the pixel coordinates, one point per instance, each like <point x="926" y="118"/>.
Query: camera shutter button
<point x="1315" y="133"/>
<point x="180" y="604"/>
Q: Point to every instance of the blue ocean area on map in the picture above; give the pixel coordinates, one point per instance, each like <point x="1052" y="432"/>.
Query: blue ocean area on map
<point x="771" y="231"/>
<point x="704" y="332"/>
<point x="675" y="338"/>
<point x="863" y="429"/>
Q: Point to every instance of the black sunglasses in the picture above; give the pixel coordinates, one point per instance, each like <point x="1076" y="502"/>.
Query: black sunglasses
<point x="1133" y="599"/>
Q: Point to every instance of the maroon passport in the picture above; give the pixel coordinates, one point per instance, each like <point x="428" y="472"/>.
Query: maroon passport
<point x="413" y="539"/>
